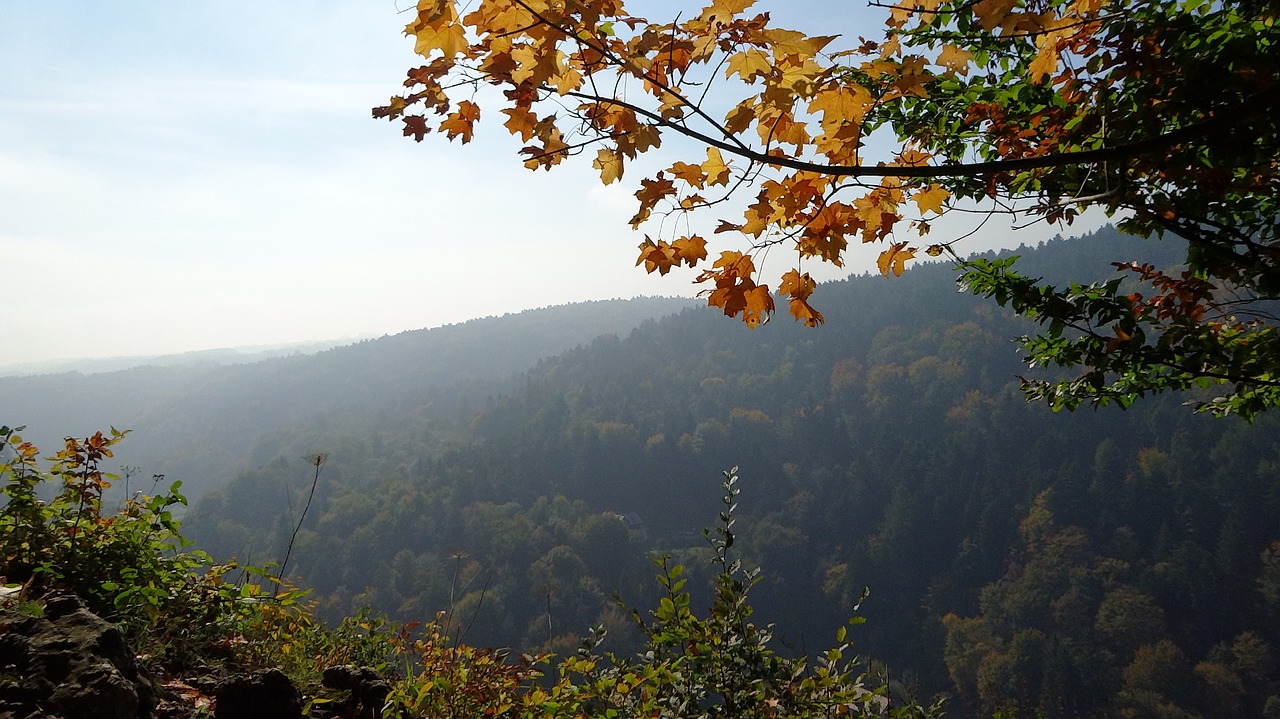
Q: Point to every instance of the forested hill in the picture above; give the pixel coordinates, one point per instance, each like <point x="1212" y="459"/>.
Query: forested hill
<point x="201" y="423"/>
<point x="1087" y="564"/>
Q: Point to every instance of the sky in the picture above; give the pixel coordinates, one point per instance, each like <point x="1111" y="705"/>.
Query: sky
<point x="187" y="176"/>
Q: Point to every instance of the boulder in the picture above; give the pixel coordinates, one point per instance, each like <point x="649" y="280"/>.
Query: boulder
<point x="265" y="694"/>
<point x="367" y="691"/>
<point x="69" y="664"/>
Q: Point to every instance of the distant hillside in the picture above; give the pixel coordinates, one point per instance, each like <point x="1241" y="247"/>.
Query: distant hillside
<point x="199" y="422"/>
<point x="219" y="356"/>
<point x="1046" y="553"/>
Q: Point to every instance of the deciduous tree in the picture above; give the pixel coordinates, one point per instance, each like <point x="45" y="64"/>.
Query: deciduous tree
<point x="1160" y="112"/>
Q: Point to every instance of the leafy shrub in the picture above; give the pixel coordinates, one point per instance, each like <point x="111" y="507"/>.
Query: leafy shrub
<point x="131" y="567"/>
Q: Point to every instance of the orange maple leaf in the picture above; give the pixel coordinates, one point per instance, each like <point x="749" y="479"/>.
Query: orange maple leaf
<point x="692" y="175"/>
<point x="461" y="123"/>
<point x="758" y="305"/>
<point x="797" y="285"/>
<point x="895" y="259"/>
<point x="520" y="122"/>
<point x="690" y="250"/>
<point x="804" y="312"/>
<point x="658" y="256"/>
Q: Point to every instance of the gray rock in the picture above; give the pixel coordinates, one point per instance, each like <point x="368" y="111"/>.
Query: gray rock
<point x="69" y="663"/>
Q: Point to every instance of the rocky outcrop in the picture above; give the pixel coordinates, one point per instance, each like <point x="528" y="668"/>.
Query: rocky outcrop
<point x="366" y="691"/>
<point x="266" y="694"/>
<point x="69" y="664"/>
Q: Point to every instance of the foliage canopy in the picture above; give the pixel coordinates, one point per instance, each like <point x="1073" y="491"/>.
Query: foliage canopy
<point x="1160" y="112"/>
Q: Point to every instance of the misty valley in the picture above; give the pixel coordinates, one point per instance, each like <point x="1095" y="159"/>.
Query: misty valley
<point x="520" y="475"/>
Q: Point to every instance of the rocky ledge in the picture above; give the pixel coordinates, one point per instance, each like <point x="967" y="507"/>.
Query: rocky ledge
<point x="69" y="663"/>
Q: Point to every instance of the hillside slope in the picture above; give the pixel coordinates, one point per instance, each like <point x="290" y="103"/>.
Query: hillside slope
<point x="890" y="448"/>
<point x="199" y="423"/>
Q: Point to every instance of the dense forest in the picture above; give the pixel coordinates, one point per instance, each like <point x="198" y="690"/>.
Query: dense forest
<point x="1101" y="563"/>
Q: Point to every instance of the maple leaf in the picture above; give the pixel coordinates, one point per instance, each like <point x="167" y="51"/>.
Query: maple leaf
<point x="659" y="256"/>
<point x="722" y="11"/>
<point x="1046" y="60"/>
<point x="443" y="34"/>
<point x="549" y="154"/>
<point x="955" y="59"/>
<point x="690" y="250"/>
<point x="715" y="167"/>
<point x="931" y="198"/>
<point x="735" y="262"/>
<point x="649" y="194"/>
<point x="895" y="259"/>
<point x="757" y="305"/>
<point x="796" y="285"/>
<point x="415" y="126"/>
<point x="520" y="122"/>
<point x="994" y="14"/>
<point x="609" y="163"/>
<point x="804" y="312"/>
<point x="692" y="175"/>
<point x="741" y="116"/>
<point x="841" y="105"/>
<point x="568" y="79"/>
<point x="748" y="65"/>
<point x="462" y="122"/>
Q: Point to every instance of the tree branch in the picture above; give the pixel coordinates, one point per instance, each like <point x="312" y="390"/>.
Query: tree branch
<point x="1225" y="119"/>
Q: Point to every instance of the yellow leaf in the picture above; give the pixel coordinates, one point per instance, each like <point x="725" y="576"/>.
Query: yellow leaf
<point x="740" y="117"/>
<point x="841" y="105"/>
<point x="995" y="13"/>
<point x="748" y="64"/>
<point x="791" y="42"/>
<point x="735" y="262"/>
<point x="568" y="80"/>
<point x="692" y="175"/>
<point x="895" y="259"/>
<point x="549" y="154"/>
<point x="462" y="122"/>
<point x="609" y="163"/>
<point x="955" y="59"/>
<point x="733" y="6"/>
<point x="802" y="79"/>
<point x="931" y="198"/>
<point x="717" y="171"/>
<point x="437" y="28"/>
<point x="1046" y="60"/>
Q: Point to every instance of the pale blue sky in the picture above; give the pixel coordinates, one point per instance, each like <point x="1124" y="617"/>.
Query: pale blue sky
<point x="180" y="176"/>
